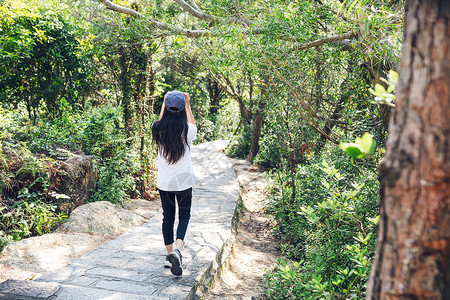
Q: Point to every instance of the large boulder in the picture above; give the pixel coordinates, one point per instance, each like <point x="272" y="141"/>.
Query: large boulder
<point x="101" y="218"/>
<point x="144" y="208"/>
<point x="73" y="178"/>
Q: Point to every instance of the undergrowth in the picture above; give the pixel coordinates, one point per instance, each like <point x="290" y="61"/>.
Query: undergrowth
<point x="327" y="229"/>
<point x="29" y="151"/>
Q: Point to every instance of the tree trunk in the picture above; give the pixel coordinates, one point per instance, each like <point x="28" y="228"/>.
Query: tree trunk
<point x="140" y="60"/>
<point x="215" y="92"/>
<point x="412" y="259"/>
<point x="125" y="85"/>
<point x="257" y="126"/>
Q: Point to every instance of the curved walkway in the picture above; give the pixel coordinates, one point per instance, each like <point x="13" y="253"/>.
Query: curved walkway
<point x="131" y="266"/>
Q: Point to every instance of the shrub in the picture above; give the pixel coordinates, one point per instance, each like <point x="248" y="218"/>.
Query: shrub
<point x="26" y="217"/>
<point x="241" y="148"/>
<point x="98" y="132"/>
<point x="328" y="227"/>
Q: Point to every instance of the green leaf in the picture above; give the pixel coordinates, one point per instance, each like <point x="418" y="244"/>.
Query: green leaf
<point x="393" y="76"/>
<point x="379" y="89"/>
<point x="367" y="143"/>
<point x="352" y="149"/>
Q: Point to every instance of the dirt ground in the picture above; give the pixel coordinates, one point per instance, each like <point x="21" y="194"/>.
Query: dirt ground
<point x="255" y="249"/>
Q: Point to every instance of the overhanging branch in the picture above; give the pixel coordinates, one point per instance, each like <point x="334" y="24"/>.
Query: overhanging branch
<point x="333" y="38"/>
<point x="157" y="24"/>
<point x="197" y="13"/>
<point x="204" y="32"/>
<point x="194" y="5"/>
<point x="178" y="30"/>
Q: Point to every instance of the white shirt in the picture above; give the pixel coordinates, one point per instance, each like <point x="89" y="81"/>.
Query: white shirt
<point x="179" y="176"/>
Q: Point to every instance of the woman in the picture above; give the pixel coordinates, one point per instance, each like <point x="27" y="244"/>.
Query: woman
<point x="174" y="133"/>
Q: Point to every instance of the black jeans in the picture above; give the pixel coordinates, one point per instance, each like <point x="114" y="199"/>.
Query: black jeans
<point x="184" y="200"/>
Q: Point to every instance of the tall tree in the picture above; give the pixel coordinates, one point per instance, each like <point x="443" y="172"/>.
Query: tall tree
<point x="277" y="40"/>
<point x="42" y="63"/>
<point x="413" y="251"/>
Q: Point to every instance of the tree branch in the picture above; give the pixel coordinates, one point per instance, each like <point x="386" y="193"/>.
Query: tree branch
<point x="197" y="13"/>
<point x="194" y="5"/>
<point x="157" y="24"/>
<point x="333" y="38"/>
<point x="312" y="124"/>
<point x="121" y="9"/>
<point x="204" y="32"/>
<point x="175" y="29"/>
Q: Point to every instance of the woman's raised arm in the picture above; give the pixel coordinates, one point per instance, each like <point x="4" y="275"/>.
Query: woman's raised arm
<point x="162" y="108"/>
<point x="190" y="117"/>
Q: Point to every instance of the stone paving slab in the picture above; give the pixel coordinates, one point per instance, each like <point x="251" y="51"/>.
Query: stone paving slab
<point x="131" y="266"/>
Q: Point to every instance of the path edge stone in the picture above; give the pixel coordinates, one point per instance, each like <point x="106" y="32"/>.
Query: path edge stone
<point x="220" y="262"/>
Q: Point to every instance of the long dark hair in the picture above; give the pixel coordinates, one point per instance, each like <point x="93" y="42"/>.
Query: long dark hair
<point x="170" y="134"/>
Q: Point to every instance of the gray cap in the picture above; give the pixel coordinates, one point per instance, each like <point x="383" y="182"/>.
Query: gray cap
<point x="175" y="101"/>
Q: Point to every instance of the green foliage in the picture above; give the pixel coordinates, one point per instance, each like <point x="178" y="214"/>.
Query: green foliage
<point x="227" y="120"/>
<point x="362" y="146"/>
<point x="103" y="138"/>
<point x="241" y="147"/>
<point x="25" y="208"/>
<point x="98" y="132"/>
<point x="329" y="226"/>
<point x="29" y="216"/>
<point x="386" y="96"/>
<point x="41" y="62"/>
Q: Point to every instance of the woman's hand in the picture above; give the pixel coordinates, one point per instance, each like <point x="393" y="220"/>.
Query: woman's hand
<point x="188" y="99"/>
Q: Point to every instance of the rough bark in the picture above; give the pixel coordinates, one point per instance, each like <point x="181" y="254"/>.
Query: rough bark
<point x="412" y="255"/>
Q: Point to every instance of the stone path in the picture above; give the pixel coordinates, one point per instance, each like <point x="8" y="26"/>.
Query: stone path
<point x="131" y="266"/>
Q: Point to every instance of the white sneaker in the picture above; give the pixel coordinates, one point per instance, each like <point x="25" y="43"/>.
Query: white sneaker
<point x="175" y="258"/>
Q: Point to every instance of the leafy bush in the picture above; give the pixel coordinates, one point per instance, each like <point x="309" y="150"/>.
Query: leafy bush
<point x="227" y="119"/>
<point x="241" y="147"/>
<point x="328" y="227"/>
<point x="26" y="206"/>
<point x="29" y="216"/>
<point x="98" y="132"/>
<point x="41" y="62"/>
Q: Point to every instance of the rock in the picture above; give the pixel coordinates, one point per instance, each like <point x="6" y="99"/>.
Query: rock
<point x="74" y="178"/>
<point x="28" y="289"/>
<point x="143" y="208"/>
<point x="101" y="218"/>
<point x="28" y="258"/>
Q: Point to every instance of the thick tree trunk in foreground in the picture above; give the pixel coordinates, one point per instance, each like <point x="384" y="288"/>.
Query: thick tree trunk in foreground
<point x="412" y="259"/>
